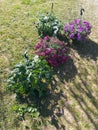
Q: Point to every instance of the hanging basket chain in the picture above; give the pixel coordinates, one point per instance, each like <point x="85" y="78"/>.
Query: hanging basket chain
<point x="52" y="7"/>
<point x="82" y="11"/>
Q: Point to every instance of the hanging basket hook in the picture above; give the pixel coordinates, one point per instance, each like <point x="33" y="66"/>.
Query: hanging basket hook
<point x="82" y="11"/>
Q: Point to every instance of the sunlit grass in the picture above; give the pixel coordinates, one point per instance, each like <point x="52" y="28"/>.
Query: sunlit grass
<point x="74" y="104"/>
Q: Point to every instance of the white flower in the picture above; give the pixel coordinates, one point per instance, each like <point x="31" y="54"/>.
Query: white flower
<point x="45" y="18"/>
<point x="36" y="58"/>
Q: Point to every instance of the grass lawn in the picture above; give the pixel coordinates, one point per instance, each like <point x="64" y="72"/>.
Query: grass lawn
<point x="73" y="105"/>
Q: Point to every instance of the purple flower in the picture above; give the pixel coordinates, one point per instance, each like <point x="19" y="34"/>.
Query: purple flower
<point x="77" y="21"/>
<point x="86" y="23"/>
<point x="78" y="29"/>
<point x="66" y="28"/>
<point x="72" y="28"/>
<point x="72" y="35"/>
<point x="78" y="36"/>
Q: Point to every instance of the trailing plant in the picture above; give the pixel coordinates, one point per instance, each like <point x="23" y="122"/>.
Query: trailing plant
<point x="53" y="50"/>
<point x="30" y="77"/>
<point x="23" y="109"/>
<point x="49" y="24"/>
<point x="78" y="29"/>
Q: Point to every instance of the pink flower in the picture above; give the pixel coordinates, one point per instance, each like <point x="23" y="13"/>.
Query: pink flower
<point x="47" y="38"/>
<point x="43" y="54"/>
<point x="37" y="46"/>
<point x="53" y="50"/>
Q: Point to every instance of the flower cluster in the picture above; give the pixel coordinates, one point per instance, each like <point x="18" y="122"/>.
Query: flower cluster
<point x="53" y="50"/>
<point x="78" y="29"/>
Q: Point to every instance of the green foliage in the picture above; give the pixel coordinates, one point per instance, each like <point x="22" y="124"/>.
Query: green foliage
<point x="29" y="77"/>
<point x="49" y="25"/>
<point x="28" y="2"/>
<point x="21" y="110"/>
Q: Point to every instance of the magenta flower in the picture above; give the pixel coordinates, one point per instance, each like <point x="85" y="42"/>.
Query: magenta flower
<point x="53" y="50"/>
<point x="47" y="38"/>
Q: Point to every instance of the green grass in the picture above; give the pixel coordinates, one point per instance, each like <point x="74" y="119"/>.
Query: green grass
<point x="73" y="105"/>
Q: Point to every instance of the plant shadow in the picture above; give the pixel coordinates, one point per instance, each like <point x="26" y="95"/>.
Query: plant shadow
<point x="51" y="105"/>
<point x="84" y="105"/>
<point x="87" y="49"/>
<point x="66" y="72"/>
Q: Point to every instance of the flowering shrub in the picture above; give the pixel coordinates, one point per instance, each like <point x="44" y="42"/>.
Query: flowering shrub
<point x="49" y="25"/>
<point x="78" y="29"/>
<point x="53" y="50"/>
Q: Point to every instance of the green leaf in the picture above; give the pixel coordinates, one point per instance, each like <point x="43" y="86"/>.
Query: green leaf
<point x="35" y="114"/>
<point x="29" y="109"/>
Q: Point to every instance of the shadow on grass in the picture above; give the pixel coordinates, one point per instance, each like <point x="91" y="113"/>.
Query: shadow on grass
<point x="89" y="112"/>
<point x="87" y="49"/>
<point x="49" y="105"/>
<point x="66" y="72"/>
